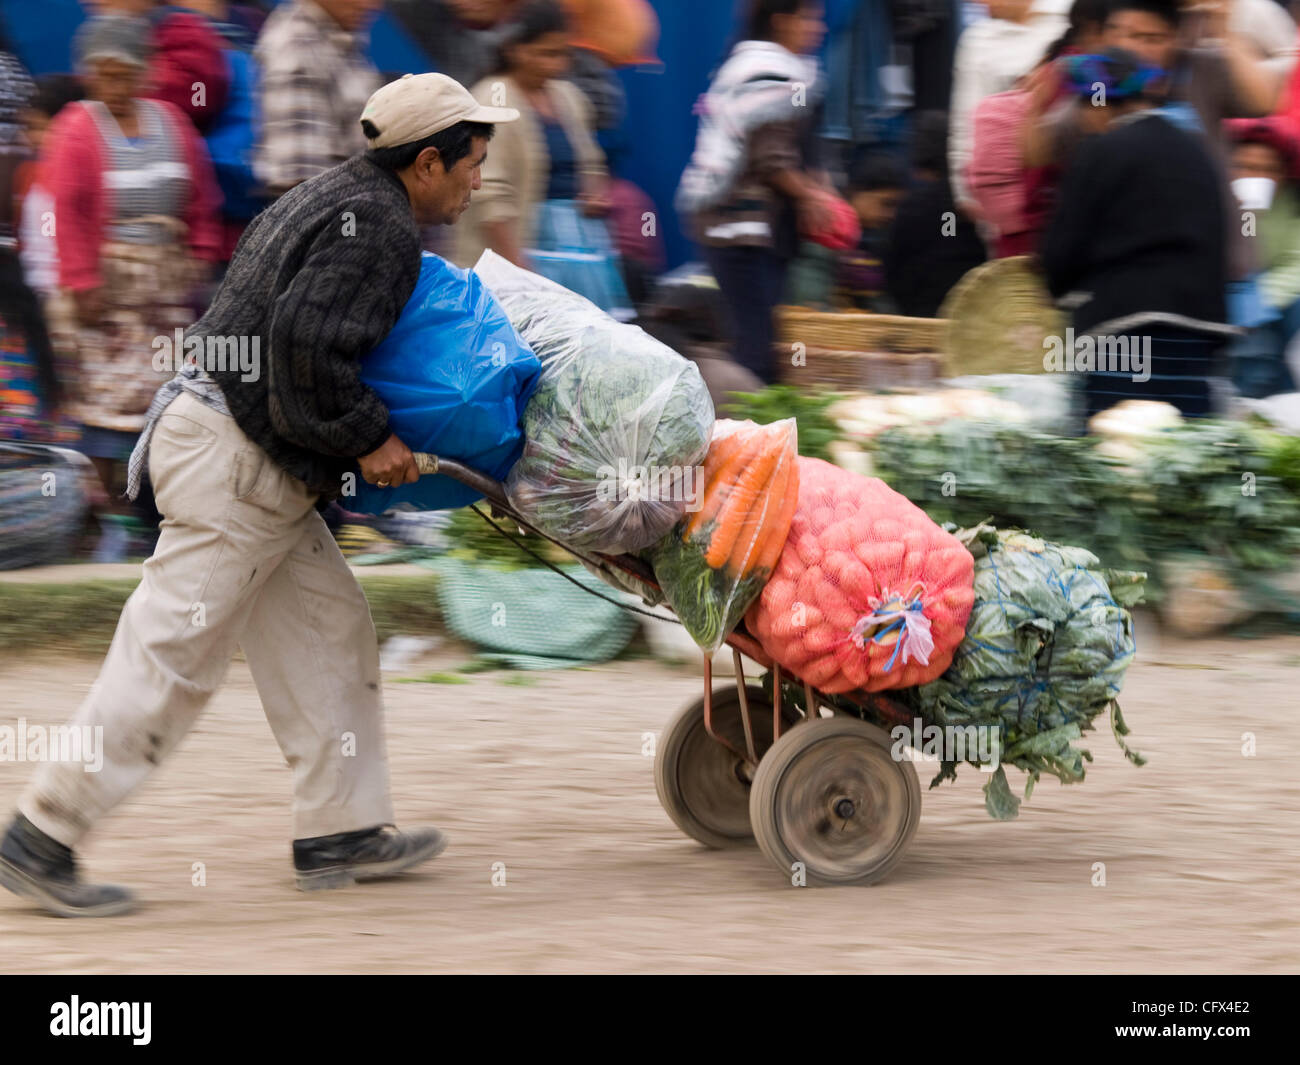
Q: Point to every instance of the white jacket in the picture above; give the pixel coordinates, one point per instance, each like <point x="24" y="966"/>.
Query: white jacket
<point x="992" y="55"/>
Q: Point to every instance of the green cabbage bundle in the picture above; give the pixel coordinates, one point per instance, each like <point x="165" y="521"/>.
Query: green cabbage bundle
<point x="1046" y="648"/>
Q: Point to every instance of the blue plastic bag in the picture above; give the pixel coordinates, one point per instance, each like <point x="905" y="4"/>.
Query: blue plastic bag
<point x="455" y="377"/>
<point x="232" y="139"/>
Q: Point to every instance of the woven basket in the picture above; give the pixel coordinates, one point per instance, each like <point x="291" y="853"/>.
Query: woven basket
<point x="38" y="526"/>
<point x="859" y="332"/>
<point x="1000" y="313"/>
<point x="861" y="371"/>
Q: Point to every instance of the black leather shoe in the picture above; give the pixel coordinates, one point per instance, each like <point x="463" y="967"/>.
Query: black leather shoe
<point x="338" y="860"/>
<point x="34" y="865"/>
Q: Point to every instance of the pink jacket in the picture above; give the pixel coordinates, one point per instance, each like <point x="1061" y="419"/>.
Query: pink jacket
<point x="995" y="174"/>
<point x="1289" y="106"/>
<point x="74" y="161"/>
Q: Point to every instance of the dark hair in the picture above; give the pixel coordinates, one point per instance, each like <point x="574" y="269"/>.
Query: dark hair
<point x="531" y="22"/>
<point x="1084" y="15"/>
<point x="762" y="12"/>
<point x="1168" y="10"/>
<point x="54" y="92"/>
<point x="453" y="144"/>
<point x="930" y="141"/>
<point x="873" y="169"/>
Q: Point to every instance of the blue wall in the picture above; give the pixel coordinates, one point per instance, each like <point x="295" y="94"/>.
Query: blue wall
<point x="660" y="131"/>
<point x="41" y="30"/>
<point x="658" y="135"/>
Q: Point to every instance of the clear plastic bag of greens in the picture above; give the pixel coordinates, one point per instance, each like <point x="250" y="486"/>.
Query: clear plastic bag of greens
<point x="617" y="427"/>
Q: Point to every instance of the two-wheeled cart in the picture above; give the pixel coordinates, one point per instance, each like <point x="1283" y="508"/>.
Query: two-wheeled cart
<point x="809" y="777"/>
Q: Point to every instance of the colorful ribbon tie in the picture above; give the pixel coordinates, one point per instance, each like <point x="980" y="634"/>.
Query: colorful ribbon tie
<point x="897" y="612"/>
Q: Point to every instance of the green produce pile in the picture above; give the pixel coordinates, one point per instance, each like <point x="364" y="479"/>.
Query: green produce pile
<point x="966" y="472"/>
<point x="1046" y="648"/>
<point x="817" y="430"/>
<point x="1213" y="488"/>
<point x="1283" y="454"/>
<point x="471" y="539"/>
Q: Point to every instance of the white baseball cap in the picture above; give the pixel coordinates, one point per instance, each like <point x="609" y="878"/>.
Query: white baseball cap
<point x="416" y="106"/>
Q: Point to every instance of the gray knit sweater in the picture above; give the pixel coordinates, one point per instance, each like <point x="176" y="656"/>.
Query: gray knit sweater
<point x="318" y="278"/>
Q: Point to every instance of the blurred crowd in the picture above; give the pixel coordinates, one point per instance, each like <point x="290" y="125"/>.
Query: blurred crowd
<point x="851" y="154"/>
<point x="126" y="183"/>
<point x="1142" y="153"/>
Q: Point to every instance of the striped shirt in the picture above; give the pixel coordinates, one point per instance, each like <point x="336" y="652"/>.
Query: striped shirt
<point x="16" y="88"/>
<point x="316" y="80"/>
<point x="146" y="176"/>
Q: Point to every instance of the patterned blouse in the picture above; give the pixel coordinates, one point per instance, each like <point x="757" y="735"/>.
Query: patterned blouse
<point x="16" y="88"/>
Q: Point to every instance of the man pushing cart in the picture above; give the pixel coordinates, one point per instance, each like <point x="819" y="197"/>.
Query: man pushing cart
<point x="241" y="464"/>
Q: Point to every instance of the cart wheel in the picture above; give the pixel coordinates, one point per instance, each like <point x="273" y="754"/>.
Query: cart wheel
<point x="830" y="796"/>
<point x="702" y="785"/>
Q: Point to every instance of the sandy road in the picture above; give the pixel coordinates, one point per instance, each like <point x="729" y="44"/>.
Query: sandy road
<point x="1201" y="847"/>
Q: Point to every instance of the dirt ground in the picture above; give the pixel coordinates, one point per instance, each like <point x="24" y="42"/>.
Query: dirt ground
<point x="544" y="772"/>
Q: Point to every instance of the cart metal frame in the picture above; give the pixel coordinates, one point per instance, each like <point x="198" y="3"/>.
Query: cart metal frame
<point x="891" y="814"/>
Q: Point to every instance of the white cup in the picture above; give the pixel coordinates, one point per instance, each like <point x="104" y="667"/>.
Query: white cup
<point x="1255" y="193"/>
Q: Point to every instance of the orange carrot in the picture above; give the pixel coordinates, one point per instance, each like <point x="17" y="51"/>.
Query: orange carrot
<point x="782" y="522"/>
<point x="739" y="503"/>
<point x="766" y="512"/>
<point x="721" y="454"/>
<point x="781" y="495"/>
<point x="719" y="481"/>
<point x="778" y="524"/>
<point x="716" y="488"/>
<point x="721" y="450"/>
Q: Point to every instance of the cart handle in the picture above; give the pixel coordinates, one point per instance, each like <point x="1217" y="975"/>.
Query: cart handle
<point x="495" y="494"/>
<point x="485" y="486"/>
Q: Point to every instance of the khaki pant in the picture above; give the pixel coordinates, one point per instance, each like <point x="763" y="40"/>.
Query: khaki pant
<point x="243" y="559"/>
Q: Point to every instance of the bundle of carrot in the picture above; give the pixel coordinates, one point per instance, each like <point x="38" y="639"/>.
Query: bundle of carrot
<point x="714" y="564"/>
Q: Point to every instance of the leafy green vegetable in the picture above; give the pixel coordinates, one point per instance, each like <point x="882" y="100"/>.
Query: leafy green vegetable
<point x="474" y="540"/>
<point x="1046" y="649"/>
<point x="998" y="799"/>
<point x="965" y="472"/>
<point x="1282" y="454"/>
<point x="1209" y="487"/>
<point x="706" y="601"/>
<point x="817" y="430"/>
